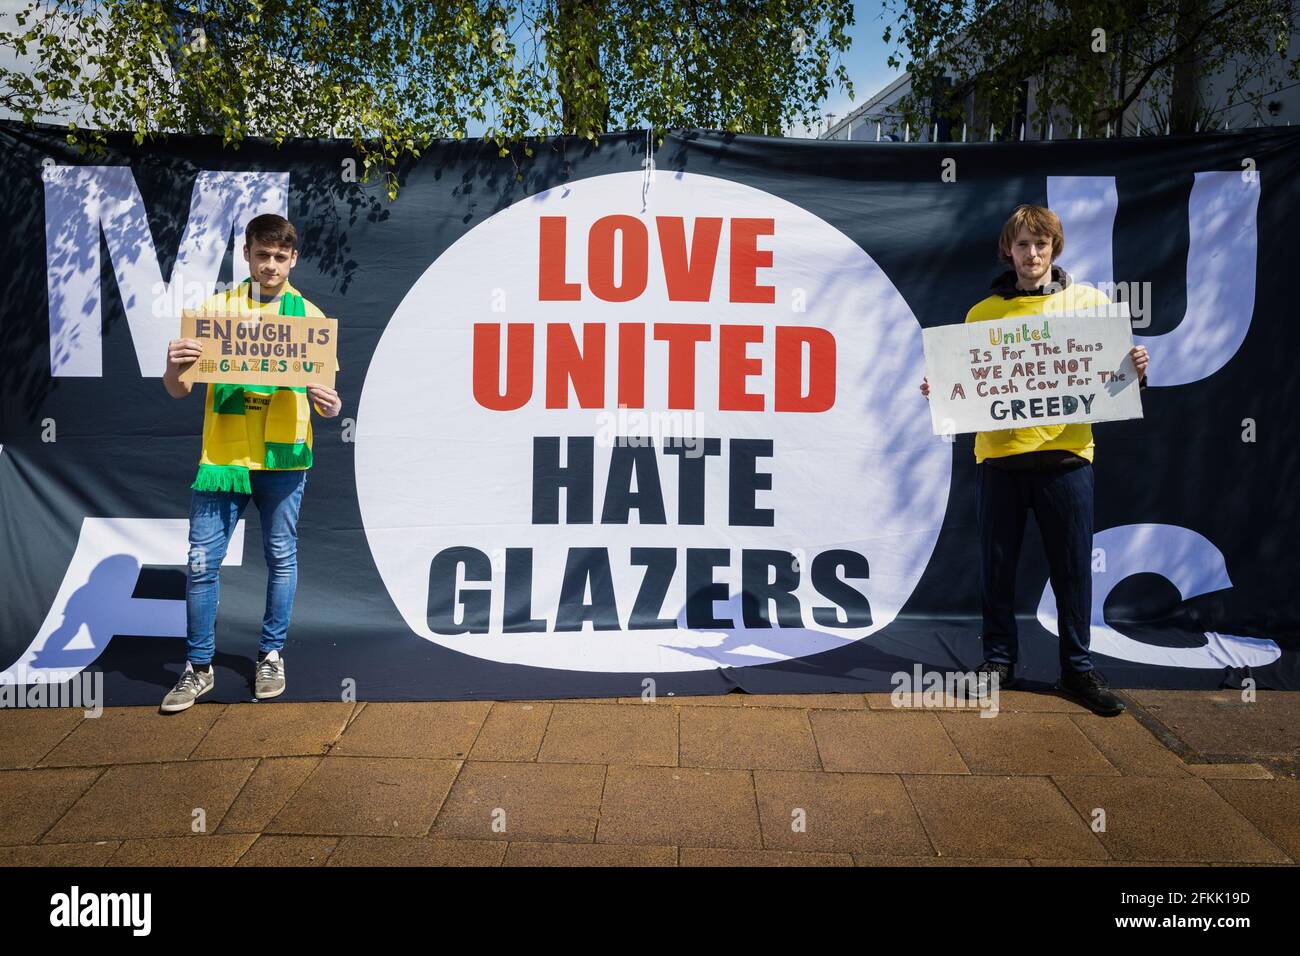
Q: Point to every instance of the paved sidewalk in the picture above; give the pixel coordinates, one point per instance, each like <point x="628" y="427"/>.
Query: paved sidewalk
<point x="1184" y="777"/>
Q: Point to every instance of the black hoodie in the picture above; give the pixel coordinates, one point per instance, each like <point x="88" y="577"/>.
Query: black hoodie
<point x="1005" y="284"/>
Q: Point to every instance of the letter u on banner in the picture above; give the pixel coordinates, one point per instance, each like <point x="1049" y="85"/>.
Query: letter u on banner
<point x="1221" y="260"/>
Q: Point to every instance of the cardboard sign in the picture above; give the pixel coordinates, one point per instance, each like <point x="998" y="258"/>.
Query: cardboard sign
<point x="261" y="349"/>
<point x="1032" y="370"/>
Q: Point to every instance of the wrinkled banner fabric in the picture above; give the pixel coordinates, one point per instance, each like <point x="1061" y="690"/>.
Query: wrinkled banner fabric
<point x="620" y="419"/>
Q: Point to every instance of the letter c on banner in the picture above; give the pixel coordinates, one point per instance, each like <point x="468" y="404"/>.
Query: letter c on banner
<point x="1188" y="561"/>
<point x="1221" y="262"/>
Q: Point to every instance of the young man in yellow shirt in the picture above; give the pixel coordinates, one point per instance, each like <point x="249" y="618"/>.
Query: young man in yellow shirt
<point x="1046" y="469"/>
<point x="257" y="445"/>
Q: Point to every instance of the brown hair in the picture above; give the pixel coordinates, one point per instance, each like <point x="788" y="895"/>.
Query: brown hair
<point x="1040" y="220"/>
<point x="272" y="230"/>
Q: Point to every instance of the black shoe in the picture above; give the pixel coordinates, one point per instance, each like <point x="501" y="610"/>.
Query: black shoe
<point x="1089" y="688"/>
<point x="1006" y="676"/>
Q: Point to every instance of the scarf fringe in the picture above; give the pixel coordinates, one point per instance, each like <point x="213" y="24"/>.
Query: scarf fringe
<point x="232" y="478"/>
<point x="284" y="455"/>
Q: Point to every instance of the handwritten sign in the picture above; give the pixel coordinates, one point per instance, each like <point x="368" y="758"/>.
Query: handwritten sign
<point x="261" y="349"/>
<point x="1032" y="370"/>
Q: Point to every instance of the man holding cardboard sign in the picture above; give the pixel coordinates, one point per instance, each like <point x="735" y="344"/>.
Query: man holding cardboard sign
<point x="256" y="345"/>
<point x="1046" y="468"/>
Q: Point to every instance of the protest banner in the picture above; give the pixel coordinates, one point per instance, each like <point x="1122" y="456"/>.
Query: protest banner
<point x="605" y="432"/>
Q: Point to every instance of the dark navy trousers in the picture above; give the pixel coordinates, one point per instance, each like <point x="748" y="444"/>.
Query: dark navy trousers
<point x="1061" y="500"/>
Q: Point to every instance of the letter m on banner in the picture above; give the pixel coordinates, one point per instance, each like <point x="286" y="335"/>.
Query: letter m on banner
<point x="82" y="200"/>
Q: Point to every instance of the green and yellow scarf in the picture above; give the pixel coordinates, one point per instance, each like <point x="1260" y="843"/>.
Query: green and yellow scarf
<point x="237" y="440"/>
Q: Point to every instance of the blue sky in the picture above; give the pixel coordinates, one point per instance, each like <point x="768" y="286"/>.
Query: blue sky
<point x="865" y="59"/>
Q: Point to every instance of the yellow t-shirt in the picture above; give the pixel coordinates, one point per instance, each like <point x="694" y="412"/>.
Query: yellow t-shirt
<point x="240" y="301"/>
<point x="1016" y="441"/>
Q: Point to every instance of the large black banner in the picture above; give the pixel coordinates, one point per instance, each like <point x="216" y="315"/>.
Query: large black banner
<point x="621" y="417"/>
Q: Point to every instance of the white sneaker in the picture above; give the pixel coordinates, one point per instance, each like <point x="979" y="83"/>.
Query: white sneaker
<point x="269" y="680"/>
<point x="192" y="685"/>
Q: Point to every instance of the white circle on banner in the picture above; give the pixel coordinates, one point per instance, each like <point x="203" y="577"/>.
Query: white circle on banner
<point x="435" y="469"/>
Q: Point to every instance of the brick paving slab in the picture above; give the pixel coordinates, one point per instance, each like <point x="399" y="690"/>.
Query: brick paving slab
<point x="368" y="796"/>
<point x="59" y="854"/>
<point x="863" y="859"/>
<point x="771" y="739"/>
<point x="1284" y="768"/>
<point x="133" y="735"/>
<point x="988" y="816"/>
<point x="590" y="734"/>
<point x="390" y="851"/>
<point x="513" y="731"/>
<point x="290" y="851"/>
<point x="1185" y="778"/>
<point x="580" y="700"/>
<point x="1164" y="819"/>
<point x="700" y="856"/>
<point x="28" y="735"/>
<point x="143" y="801"/>
<point x="805" y="701"/>
<point x="194" y="850"/>
<point x="885" y="701"/>
<point x="1229" y="771"/>
<point x="679" y="806"/>
<point x="274" y="730"/>
<point x="687" y="700"/>
<point x="1024" y="743"/>
<point x="536" y="802"/>
<point x="839" y="812"/>
<point x="1236" y="863"/>
<point x="589" y="854"/>
<point x="1129" y="746"/>
<point x="1112" y="863"/>
<point x="1045" y="701"/>
<point x="273" y="782"/>
<point x="31" y="801"/>
<point x="878" y="742"/>
<point x="1273" y="806"/>
<point x="1219" y="722"/>
<point x="421" y="729"/>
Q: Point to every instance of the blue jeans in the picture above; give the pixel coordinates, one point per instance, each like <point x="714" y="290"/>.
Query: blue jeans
<point x="213" y="516"/>
<point x="1062" y="502"/>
